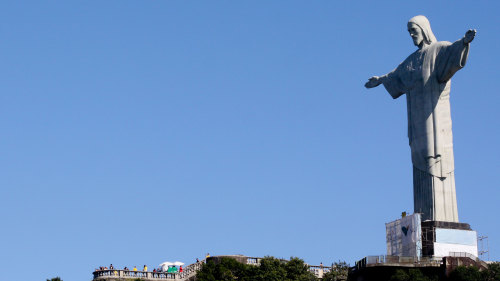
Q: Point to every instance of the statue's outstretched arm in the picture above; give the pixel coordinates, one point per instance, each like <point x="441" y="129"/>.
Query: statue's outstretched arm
<point x="469" y="36"/>
<point x="375" y="81"/>
<point x="454" y="57"/>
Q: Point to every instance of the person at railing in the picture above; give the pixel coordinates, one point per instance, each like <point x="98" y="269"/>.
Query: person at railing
<point x="135" y="270"/>
<point x="145" y="268"/>
<point x="180" y="269"/>
<point x="125" y="268"/>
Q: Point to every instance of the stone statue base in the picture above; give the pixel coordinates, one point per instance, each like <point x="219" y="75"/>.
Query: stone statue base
<point x="441" y="238"/>
<point x="412" y="237"/>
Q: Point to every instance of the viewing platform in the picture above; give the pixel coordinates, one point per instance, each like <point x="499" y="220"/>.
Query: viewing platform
<point x="188" y="273"/>
<point x="381" y="267"/>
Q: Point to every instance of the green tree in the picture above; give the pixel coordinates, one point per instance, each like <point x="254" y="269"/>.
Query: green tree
<point x="493" y="272"/>
<point x="339" y="271"/>
<point x="226" y="269"/>
<point x="270" y="269"/>
<point x="413" y="274"/>
<point x="400" y="275"/>
<point x="296" y="269"/>
<point x="55" y="279"/>
<point x="467" y="273"/>
<point x="417" y="275"/>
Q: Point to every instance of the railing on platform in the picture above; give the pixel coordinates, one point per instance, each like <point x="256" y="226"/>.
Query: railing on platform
<point x="187" y="272"/>
<point x="468" y="255"/>
<point x="463" y="255"/>
<point x="253" y="261"/>
<point x="317" y="270"/>
<point x="381" y="260"/>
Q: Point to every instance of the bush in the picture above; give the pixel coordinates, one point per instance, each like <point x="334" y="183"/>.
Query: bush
<point x="412" y="274"/>
<point x="339" y="271"/>
<point x="270" y="269"/>
<point x="467" y="273"/>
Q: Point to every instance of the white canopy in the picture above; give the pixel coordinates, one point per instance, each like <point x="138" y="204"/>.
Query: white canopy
<point x="164" y="266"/>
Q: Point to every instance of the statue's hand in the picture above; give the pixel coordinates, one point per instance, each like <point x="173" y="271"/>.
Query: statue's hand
<point x="373" y="82"/>
<point x="469" y="36"/>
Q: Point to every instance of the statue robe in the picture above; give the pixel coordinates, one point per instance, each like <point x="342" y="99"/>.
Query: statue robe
<point x="425" y="79"/>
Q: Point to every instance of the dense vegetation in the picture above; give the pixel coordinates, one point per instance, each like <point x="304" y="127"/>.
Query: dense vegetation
<point x="412" y="275"/>
<point x="270" y="269"/>
<point x="461" y="273"/>
<point x="339" y="271"/>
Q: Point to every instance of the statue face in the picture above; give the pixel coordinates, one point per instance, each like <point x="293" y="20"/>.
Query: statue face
<point x="416" y="34"/>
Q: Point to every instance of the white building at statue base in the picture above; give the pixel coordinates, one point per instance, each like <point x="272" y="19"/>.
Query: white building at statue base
<point x="410" y="237"/>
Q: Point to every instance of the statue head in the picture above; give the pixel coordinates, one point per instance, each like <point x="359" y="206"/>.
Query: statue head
<point x="421" y="32"/>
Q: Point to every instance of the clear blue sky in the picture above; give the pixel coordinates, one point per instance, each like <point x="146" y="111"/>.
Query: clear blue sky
<point x="135" y="132"/>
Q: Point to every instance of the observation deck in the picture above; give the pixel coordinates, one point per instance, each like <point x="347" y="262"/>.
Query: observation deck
<point x="188" y="273"/>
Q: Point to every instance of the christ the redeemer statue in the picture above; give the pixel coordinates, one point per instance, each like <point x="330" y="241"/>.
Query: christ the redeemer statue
<point x="425" y="79"/>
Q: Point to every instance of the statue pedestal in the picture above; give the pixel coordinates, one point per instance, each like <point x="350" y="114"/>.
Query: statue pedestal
<point x="440" y="239"/>
<point x="411" y="237"/>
